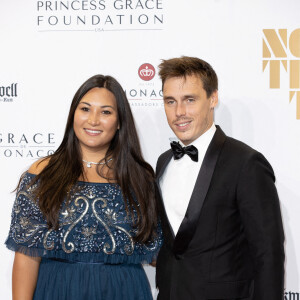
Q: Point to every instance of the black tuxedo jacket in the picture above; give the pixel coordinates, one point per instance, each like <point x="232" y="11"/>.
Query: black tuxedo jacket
<point x="230" y="242"/>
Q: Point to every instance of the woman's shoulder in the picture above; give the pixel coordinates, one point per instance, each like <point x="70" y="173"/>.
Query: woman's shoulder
<point x="38" y="166"/>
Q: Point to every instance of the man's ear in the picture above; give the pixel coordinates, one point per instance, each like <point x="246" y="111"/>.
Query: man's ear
<point x="214" y="99"/>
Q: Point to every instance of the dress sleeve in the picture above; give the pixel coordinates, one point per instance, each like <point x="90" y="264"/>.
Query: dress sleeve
<point x="28" y="226"/>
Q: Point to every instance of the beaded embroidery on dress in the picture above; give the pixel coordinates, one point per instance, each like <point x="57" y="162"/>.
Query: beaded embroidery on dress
<point x="94" y="227"/>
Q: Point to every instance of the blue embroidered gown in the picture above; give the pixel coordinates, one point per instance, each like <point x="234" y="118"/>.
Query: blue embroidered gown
<point x="92" y="255"/>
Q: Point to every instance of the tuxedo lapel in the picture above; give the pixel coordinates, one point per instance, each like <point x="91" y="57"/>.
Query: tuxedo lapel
<point x="189" y="224"/>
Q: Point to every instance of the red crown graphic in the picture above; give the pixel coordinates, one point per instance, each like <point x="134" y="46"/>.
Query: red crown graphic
<point x="146" y="72"/>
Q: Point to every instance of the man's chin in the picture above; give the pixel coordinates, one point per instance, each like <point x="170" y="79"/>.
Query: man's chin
<point x="183" y="139"/>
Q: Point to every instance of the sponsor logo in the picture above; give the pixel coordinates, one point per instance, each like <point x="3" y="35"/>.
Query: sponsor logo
<point x="146" y="72"/>
<point x="8" y="93"/>
<point x="281" y="54"/>
<point x="148" y="90"/>
<point x="291" y="296"/>
<point x="99" y="15"/>
<point x="19" y="145"/>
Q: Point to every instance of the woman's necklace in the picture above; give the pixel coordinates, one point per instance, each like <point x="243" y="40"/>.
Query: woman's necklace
<point x="90" y="163"/>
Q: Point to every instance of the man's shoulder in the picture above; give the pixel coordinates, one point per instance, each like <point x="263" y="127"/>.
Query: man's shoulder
<point x="164" y="155"/>
<point x="162" y="158"/>
<point x="238" y="145"/>
<point x="239" y="151"/>
<point x="233" y="145"/>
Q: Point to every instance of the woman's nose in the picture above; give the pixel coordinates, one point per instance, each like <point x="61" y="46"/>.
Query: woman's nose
<point x="93" y="119"/>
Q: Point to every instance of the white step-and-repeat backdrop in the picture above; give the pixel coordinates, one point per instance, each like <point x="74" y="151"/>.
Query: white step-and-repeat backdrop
<point x="49" y="48"/>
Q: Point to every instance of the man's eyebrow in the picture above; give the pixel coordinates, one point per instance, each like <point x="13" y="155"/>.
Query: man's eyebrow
<point x="184" y="97"/>
<point x="169" y="98"/>
<point x="189" y="96"/>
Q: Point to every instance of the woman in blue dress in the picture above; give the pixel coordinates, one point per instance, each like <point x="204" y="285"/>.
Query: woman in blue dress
<point x="85" y="218"/>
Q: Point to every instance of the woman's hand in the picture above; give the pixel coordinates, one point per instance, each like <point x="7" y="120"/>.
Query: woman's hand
<point x="153" y="263"/>
<point x="24" y="276"/>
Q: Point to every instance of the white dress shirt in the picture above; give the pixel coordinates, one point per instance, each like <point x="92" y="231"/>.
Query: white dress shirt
<point x="179" y="178"/>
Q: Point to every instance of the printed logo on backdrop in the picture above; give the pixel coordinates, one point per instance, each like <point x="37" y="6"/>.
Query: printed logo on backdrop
<point x="8" y="93"/>
<point x="291" y="296"/>
<point x="148" y="91"/>
<point x="25" y="145"/>
<point x="146" y="72"/>
<point x="281" y="54"/>
<point x="99" y="15"/>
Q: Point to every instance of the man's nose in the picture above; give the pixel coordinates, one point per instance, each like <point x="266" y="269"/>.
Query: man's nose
<point x="180" y="109"/>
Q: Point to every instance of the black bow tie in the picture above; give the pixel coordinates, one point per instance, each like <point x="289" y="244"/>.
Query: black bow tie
<point x="179" y="151"/>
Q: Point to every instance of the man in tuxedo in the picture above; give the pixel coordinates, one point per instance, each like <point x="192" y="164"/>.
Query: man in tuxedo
<point x="220" y="213"/>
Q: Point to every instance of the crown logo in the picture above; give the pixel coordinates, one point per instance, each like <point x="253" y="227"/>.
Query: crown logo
<point x="146" y="72"/>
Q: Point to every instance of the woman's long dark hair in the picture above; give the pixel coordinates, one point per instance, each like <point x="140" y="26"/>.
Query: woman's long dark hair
<point x="130" y="171"/>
